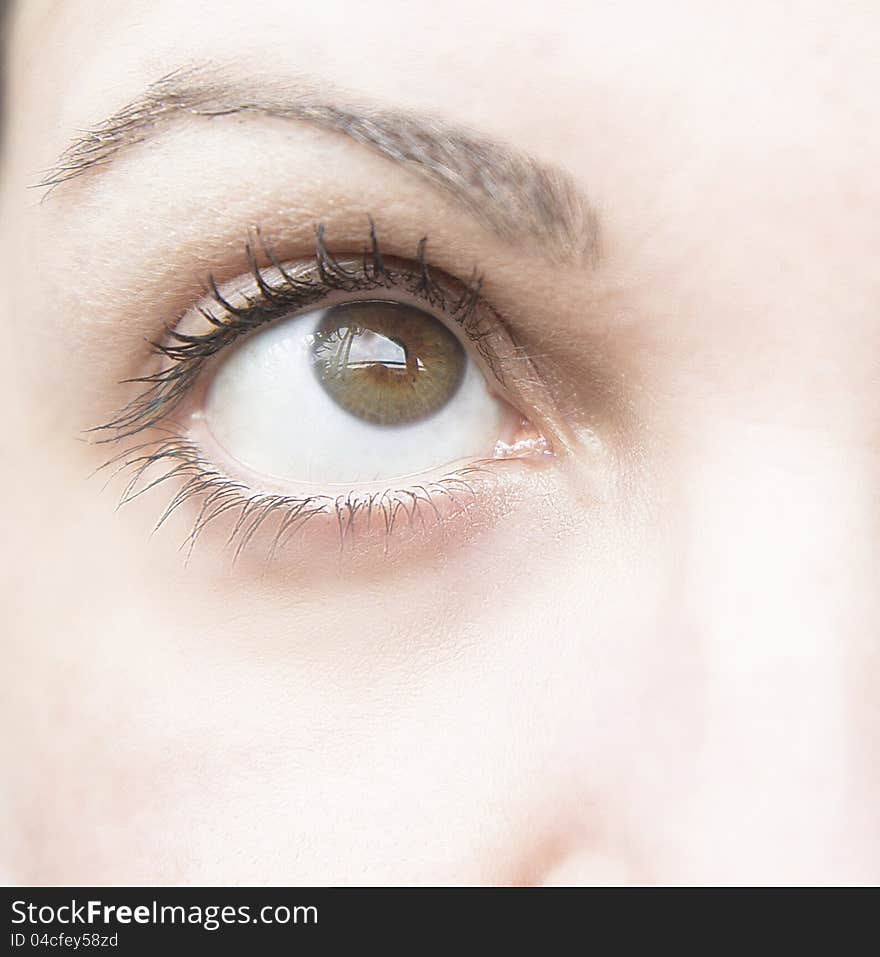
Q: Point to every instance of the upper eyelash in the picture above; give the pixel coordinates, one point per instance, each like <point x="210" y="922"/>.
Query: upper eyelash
<point x="187" y="354"/>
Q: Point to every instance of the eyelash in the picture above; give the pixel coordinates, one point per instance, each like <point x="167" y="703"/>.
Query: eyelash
<point x="221" y="494"/>
<point x="185" y="357"/>
<point x="189" y="354"/>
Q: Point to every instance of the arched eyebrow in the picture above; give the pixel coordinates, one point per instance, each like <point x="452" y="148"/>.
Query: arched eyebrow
<point x="507" y="191"/>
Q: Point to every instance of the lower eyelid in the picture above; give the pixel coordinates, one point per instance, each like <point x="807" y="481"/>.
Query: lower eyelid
<point x="242" y="516"/>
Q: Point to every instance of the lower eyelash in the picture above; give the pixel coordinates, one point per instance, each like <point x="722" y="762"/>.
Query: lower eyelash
<point x="220" y="495"/>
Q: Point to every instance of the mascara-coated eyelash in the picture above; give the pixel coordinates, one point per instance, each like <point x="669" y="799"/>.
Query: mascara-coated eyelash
<point x="278" y="291"/>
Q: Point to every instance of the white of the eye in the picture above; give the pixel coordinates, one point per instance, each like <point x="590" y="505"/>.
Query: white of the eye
<point x="268" y="410"/>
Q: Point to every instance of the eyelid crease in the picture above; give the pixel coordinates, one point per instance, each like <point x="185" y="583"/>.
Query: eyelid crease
<point x="280" y="290"/>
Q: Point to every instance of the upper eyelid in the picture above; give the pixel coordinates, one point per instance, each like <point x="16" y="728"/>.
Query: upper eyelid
<point x="347" y="273"/>
<point x="257" y="306"/>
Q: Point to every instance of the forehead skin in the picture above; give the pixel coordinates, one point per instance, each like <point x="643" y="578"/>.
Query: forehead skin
<point x="676" y="683"/>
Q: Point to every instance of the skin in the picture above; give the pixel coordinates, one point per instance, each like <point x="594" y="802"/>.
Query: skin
<point x="657" y="659"/>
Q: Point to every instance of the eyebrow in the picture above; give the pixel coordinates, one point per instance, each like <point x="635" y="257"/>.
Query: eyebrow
<point x="505" y="190"/>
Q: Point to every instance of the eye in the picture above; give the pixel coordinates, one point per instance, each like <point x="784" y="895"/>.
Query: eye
<point x="358" y="392"/>
<point x="349" y="389"/>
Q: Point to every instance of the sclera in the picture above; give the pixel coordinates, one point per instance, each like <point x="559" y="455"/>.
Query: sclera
<point x="266" y="409"/>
